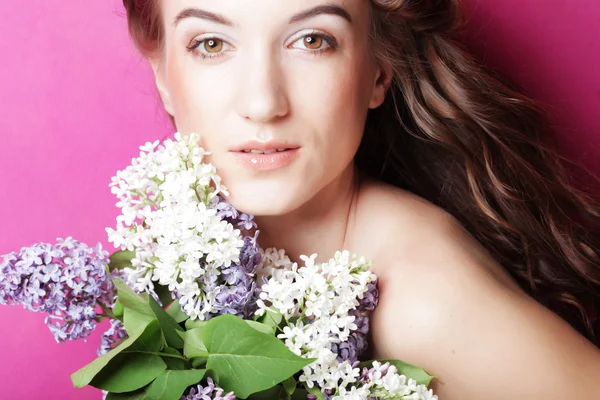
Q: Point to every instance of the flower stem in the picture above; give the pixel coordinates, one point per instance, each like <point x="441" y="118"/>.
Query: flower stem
<point x="107" y="311"/>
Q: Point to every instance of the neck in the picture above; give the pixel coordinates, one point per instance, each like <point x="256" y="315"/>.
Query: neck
<point x="320" y="226"/>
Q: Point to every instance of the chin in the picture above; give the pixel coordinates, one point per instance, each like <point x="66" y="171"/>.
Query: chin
<point x="259" y="201"/>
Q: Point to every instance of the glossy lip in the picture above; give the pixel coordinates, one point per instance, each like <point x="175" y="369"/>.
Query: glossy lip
<point x="265" y="146"/>
<point x="266" y="162"/>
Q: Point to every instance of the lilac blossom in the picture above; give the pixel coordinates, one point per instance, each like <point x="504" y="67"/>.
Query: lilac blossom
<point x="67" y="281"/>
<point x="370" y="297"/>
<point x="236" y="287"/>
<point x="227" y="212"/>
<point x="357" y="342"/>
<point x="207" y="392"/>
<point x="112" y="337"/>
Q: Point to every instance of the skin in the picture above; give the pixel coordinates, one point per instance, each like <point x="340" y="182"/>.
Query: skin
<point x="445" y="304"/>
<point x="266" y="82"/>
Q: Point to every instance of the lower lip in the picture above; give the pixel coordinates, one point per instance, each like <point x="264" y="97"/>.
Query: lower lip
<point x="266" y="162"/>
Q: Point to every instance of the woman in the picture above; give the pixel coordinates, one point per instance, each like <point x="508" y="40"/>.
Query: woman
<point x="363" y="125"/>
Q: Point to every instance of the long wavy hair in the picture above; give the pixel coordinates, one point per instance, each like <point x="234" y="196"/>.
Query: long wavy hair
<point x="462" y="136"/>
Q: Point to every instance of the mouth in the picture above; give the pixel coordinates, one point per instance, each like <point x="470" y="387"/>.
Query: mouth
<point x="266" y="160"/>
<point x="257" y="151"/>
<point x="268" y="147"/>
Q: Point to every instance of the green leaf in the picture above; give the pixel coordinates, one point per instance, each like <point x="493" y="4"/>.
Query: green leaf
<point x="118" y="309"/>
<point x="195" y="323"/>
<point x="194" y="345"/>
<point x="152" y="340"/>
<point x="138" y="339"/>
<point x="173" y="362"/>
<point x="174" y="310"/>
<point x="271" y="318"/>
<point x="259" y="326"/>
<point x="134" y="302"/>
<point x="132" y="371"/>
<point x="120" y="259"/>
<point x="247" y="361"/>
<point x="300" y="394"/>
<point x="136" y="395"/>
<point x="199" y="362"/>
<point x="135" y="321"/>
<point x="290" y="385"/>
<point x="269" y="330"/>
<point x="409" y="370"/>
<point x="146" y="309"/>
<point x="168" y="325"/>
<point x="131" y="299"/>
<point x="170" y="385"/>
<point x="274" y="393"/>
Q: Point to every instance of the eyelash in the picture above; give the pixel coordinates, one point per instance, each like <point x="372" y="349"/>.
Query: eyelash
<point x="330" y="40"/>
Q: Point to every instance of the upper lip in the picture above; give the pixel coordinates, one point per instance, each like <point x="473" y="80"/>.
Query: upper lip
<point x="265" y="146"/>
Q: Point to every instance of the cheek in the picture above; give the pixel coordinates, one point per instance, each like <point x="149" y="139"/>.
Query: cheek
<point x="198" y="98"/>
<point x="337" y="100"/>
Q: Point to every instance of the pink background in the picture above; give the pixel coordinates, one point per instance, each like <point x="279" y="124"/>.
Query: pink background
<point x="77" y="102"/>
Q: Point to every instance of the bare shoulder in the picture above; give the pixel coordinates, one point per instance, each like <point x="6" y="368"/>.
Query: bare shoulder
<point x="448" y="307"/>
<point x="405" y="227"/>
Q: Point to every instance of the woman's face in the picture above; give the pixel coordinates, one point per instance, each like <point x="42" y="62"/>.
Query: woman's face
<point x="266" y="75"/>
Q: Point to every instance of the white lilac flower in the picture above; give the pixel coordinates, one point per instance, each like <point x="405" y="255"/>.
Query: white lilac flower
<point x="325" y="308"/>
<point x="321" y="304"/>
<point x="185" y="235"/>
<point x="384" y="382"/>
<point x="353" y="394"/>
<point x="273" y="265"/>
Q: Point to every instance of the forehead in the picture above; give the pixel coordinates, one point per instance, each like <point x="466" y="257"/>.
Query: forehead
<point x="248" y="13"/>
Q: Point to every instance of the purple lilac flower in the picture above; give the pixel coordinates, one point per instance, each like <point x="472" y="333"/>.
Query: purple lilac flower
<point x="357" y="343"/>
<point x="227" y="212"/>
<point x="67" y="281"/>
<point x="370" y="297"/>
<point x="234" y="287"/>
<point x="238" y="291"/>
<point x="207" y="392"/>
<point x="112" y="337"/>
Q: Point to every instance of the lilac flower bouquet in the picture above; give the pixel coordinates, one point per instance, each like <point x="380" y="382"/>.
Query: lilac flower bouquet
<point x="197" y="309"/>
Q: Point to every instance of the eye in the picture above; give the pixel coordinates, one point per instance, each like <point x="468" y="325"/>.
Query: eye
<point x="208" y="47"/>
<point x="312" y="42"/>
<point x="213" y="45"/>
<point x="315" y="42"/>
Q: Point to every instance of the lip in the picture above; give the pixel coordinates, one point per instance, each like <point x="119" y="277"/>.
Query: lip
<point x="266" y="162"/>
<point x="265" y="146"/>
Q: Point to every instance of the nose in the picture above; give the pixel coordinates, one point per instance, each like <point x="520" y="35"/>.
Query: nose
<point x="261" y="93"/>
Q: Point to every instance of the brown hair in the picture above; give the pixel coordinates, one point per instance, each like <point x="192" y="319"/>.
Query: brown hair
<point x="465" y="138"/>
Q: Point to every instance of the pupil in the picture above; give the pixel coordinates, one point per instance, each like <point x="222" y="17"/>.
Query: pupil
<point x="313" y="41"/>
<point x="212" y="45"/>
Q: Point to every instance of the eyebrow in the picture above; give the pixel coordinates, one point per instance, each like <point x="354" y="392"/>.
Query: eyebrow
<point x="325" y="9"/>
